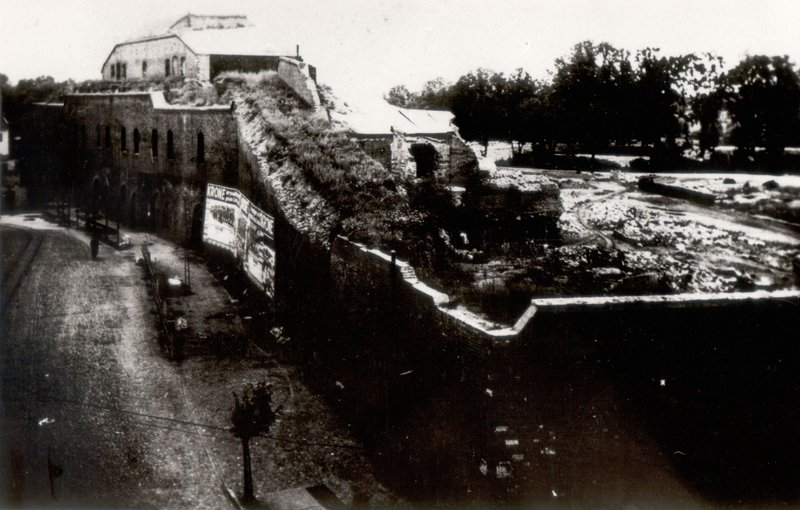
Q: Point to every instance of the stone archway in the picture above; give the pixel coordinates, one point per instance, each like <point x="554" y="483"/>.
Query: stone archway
<point x="132" y="211"/>
<point x="426" y="157"/>
<point x="122" y="203"/>
<point x="196" y="238"/>
<point x="98" y="198"/>
<point x="152" y="212"/>
<point x="165" y="208"/>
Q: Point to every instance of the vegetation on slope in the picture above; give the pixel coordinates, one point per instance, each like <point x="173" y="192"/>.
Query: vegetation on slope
<point x="326" y="184"/>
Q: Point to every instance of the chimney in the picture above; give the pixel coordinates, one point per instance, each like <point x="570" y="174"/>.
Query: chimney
<point x="298" y="51"/>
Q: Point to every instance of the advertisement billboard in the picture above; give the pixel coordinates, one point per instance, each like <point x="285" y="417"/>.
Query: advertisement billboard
<point x="234" y="224"/>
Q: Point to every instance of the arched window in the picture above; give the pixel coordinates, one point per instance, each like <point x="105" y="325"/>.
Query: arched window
<point x="154" y="143"/>
<point x="136" y="141"/>
<point x="201" y="148"/>
<point x="124" y="70"/>
<point x="108" y="137"/>
<point x="174" y="65"/>
<point x="170" y="147"/>
<point x="123" y="139"/>
<point x="113" y="71"/>
<point x="144" y="68"/>
<point x="166" y="67"/>
<point x="183" y="66"/>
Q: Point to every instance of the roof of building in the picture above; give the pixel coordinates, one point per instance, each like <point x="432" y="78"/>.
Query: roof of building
<point x="232" y="41"/>
<point x="381" y="118"/>
<point x="206" y="21"/>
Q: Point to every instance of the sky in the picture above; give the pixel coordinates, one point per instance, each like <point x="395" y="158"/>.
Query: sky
<point x="362" y="48"/>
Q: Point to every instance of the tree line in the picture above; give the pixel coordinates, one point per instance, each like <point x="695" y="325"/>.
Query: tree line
<point x="602" y="98"/>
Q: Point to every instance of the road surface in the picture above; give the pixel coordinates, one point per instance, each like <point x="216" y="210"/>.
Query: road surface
<point x="92" y="412"/>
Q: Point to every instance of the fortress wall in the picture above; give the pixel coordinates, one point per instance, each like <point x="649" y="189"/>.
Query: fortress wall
<point x="152" y="188"/>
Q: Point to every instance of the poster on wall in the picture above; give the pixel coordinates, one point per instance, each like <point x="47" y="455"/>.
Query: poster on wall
<point x="259" y="257"/>
<point x="242" y="222"/>
<point x="234" y="224"/>
<point x="222" y="211"/>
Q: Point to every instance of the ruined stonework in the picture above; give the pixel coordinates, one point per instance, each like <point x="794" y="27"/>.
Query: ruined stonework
<point x="301" y="78"/>
<point x="445" y="157"/>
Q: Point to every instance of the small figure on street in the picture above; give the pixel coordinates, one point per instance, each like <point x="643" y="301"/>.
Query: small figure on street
<point x="95" y="244"/>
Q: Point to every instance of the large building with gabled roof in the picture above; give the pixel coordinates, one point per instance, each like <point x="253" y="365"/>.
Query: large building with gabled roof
<point x="198" y="47"/>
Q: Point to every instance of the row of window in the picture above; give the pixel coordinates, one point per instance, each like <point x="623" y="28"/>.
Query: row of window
<point x="181" y="71"/>
<point x="123" y="142"/>
<point x="119" y="70"/>
<point x="173" y="67"/>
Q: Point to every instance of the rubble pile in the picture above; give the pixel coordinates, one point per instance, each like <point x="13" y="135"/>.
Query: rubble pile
<point x="617" y="240"/>
<point x="507" y="191"/>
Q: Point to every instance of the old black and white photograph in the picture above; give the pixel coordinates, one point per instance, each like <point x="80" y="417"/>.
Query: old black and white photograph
<point x="400" y="254"/>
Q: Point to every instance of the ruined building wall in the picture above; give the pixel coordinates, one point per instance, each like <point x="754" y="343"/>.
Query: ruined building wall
<point x="454" y="159"/>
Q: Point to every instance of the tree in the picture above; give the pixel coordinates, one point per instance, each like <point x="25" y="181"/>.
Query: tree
<point x="517" y="95"/>
<point x="659" y="104"/>
<point x="700" y="81"/>
<point x="586" y="95"/>
<point x="435" y="95"/>
<point x="398" y="96"/>
<point x="252" y="415"/>
<point x="476" y="106"/>
<point x="762" y="95"/>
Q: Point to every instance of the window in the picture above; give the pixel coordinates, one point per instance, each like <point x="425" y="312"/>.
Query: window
<point x="136" y="141"/>
<point x="166" y="67"/>
<point x="154" y="143"/>
<point x="123" y="139"/>
<point x="144" y="68"/>
<point x="119" y="71"/>
<point x="113" y="73"/>
<point x="108" y="137"/>
<point x="201" y="148"/>
<point x="170" y="147"/>
<point x="183" y="66"/>
<point x="174" y="65"/>
<point x="124" y="71"/>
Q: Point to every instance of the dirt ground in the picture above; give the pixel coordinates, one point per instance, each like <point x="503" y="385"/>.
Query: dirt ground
<point x="87" y="390"/>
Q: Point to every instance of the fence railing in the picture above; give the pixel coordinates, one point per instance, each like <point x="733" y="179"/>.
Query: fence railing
<point x="166" y="339"/>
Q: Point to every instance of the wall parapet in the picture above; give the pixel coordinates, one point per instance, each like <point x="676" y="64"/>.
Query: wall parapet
<point x="297" y="75"/>
<point x="544" y="316"/>
<point x="157" y="101"/>
<point x="491" y="333"/>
